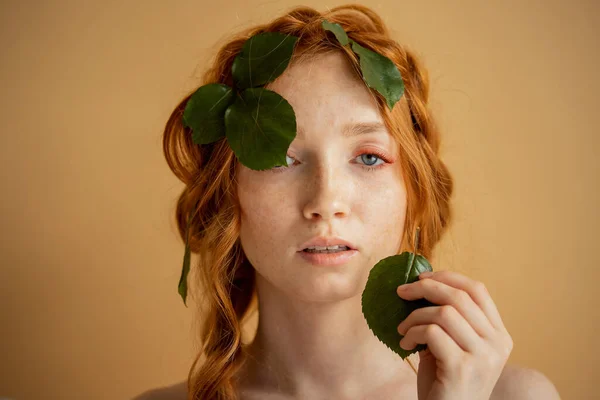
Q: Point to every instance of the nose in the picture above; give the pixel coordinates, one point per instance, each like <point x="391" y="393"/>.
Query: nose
<point x="326" y="193"/>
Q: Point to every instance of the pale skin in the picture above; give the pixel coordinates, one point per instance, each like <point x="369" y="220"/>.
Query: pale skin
<point x="312" y="340"/>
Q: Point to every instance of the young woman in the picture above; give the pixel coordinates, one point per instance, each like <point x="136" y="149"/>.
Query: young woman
<point x="359" y="175"/>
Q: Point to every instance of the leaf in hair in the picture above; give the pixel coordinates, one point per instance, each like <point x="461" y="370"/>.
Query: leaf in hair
<point x="260" y="126"/>
<point x="182" y="287"/>
<point x="380" y="73"/>
<point x="382" y="308"/>
<point x="205" y="110"/>
<point x="263" y="58"/>
<point x="337" y="30"/>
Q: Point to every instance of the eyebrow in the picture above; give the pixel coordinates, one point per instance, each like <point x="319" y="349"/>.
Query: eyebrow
<point x="361" y="128"/>
<point x="357" y="128"/>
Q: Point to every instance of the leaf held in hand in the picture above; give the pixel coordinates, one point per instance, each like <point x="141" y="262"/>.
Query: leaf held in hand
<point x="260" y="126"/>
<point x="383" y="309"/>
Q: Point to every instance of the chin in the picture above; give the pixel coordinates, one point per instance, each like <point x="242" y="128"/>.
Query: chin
<point x="327" y="285"/>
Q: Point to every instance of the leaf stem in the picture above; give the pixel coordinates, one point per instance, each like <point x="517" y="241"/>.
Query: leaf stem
<point x="412" y="260"/>
<point x="417" y="239"/>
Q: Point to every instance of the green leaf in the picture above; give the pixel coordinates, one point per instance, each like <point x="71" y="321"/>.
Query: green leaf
<point x="380" y="73"/>
<point x="337" y="30"/>
<point x="262" y="59"/>
<point x="383" y="309"/>
<point x="182" y="287"/>
<point x="204" y="112"/>
<point x="260" y="126"/>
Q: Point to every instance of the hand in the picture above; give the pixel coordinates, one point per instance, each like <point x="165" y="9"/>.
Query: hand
<point x="467" y="343"/>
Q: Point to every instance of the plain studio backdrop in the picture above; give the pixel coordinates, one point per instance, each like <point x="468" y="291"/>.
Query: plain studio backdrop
<point x="90" y="256"/>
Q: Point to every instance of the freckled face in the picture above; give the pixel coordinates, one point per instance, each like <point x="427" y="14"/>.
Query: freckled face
<point x="349" y="186"/>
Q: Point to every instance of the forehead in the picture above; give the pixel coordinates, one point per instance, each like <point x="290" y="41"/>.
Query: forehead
<point x="332" y="70"/>
<point x="326" y="91"/>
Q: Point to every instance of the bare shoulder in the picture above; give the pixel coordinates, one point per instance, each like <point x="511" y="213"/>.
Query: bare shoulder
<point x="519" y="383"/>
<point x="173" y="392"/>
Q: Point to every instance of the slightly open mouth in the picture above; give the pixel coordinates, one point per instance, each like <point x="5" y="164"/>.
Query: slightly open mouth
<point x="327" y="251"/>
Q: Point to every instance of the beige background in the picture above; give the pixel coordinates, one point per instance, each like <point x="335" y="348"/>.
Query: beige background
<point x="90" y="258"/>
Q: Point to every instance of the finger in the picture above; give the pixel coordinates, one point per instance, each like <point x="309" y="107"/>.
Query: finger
<point x="438" y="342"/>
<point x="453" y="323"/>
<point x="476" y="290"/>
<point x="442" y="294"/>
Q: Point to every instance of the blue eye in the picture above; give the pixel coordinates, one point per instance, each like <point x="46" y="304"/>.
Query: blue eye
<point x="374" y="157"/>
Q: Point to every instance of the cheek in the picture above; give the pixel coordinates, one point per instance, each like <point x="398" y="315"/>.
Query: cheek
<point x="384" y="213"/>
<point x="264" y="223"/>
<point x="382" y="194"/>
<point x="263" y="207"/>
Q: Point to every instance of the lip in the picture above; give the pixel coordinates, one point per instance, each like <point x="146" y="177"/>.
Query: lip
<point x="338" y="258"/>
<point x="323" y="241"/>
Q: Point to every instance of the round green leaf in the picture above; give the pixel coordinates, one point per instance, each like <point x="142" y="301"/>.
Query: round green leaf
<point x="263" y="58"/>
<point x="205" y="110"/>
<point x="380" y="73"/>
<point x="260" y="126"/>
<point x="337" y="30"/>
<point x="383" y="309"/>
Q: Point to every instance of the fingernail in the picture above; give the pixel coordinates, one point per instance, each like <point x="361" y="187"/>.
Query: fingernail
<point x="400" y="330"/>
<point x="403" y="345"/>
<point x="402" y="288"/>
<point x="427" y="274"/>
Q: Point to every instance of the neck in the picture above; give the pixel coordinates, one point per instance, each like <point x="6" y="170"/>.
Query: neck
<point x="318" y="350"/>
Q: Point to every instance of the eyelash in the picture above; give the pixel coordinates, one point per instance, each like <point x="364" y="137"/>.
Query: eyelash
<point x="366" y="167"/>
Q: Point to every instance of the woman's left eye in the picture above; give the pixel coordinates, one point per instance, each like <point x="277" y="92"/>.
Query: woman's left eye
<point x="370" y="159"/>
